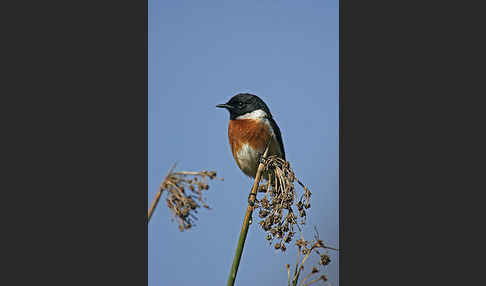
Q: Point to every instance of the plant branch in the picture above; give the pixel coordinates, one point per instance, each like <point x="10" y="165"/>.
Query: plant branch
<point x="157" y="195"/>
<point x="296" y="272"/>
<point x="244" y="228"/>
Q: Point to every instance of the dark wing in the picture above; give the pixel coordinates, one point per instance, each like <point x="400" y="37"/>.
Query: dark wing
<point x="278" y="135"/>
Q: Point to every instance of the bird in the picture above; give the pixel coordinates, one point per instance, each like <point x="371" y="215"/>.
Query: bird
<point x="251" y="128"/>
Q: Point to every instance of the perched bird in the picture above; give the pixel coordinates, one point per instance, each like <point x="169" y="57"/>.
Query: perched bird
<point x="251" y="128"/>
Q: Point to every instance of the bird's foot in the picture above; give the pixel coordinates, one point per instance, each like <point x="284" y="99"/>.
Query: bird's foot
<point x="261" y="160"/>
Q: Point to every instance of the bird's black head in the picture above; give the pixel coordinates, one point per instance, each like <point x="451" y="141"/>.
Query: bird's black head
<point x="243" y="104"/>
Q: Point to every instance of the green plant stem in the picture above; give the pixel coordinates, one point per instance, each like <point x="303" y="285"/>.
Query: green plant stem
<point x="297" y="271"/>
<point x="246" y="222"/>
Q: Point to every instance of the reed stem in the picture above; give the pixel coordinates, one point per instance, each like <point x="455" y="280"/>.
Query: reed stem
<point x="244" y="228"/>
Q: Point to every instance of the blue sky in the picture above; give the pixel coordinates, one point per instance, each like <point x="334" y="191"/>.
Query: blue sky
<point x="201" y="53"/>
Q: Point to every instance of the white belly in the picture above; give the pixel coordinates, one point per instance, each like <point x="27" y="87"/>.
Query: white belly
<point x="248" y="158"/>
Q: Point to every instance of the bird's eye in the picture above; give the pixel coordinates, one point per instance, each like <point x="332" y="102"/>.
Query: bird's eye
<point x="240" y="104"/>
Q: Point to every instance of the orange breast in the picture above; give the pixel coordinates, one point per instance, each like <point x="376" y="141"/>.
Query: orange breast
<point x="247" y="131"/>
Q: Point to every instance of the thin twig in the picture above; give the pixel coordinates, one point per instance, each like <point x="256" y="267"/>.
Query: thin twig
<point x="288" y="274"/>
<point x="157" y="195"/>
<point x="312" y="281"/>
<point x="296" y="272"/>
<point x="305" y="278"/>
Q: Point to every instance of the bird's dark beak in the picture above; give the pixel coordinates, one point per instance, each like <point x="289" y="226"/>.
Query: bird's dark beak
<point x="227" y="106"/>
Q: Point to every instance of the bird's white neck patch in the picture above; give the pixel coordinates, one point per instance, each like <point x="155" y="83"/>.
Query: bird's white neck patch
<point x="253" y="115"/>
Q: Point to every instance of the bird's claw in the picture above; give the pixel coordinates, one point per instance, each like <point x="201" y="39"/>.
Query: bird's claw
<point x="261" y="160"/>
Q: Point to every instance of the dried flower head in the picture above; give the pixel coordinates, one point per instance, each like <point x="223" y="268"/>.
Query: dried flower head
<point x="280" y="205"/>
<point x="325" y="259"/>
<point x="184" y="195"/>
<point x="305" y="248"/>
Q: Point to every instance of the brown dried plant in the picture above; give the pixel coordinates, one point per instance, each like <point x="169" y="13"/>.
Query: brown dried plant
<point x="277" y="210"/>
<point x="184" y="195"/>
<point x="305" y="248"/>
<point x="278" y="207"/>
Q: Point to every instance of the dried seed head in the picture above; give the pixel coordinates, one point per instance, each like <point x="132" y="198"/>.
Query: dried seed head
<point x="325" y="259"/>
<point x="264" y="202"/>
<point x="262" y="213"/>
<point x="304" y="251"/>
<point x="266" y="226"/>
<point x="299" y="206"/>
<point x="274" y="231"/>
<point x="285" y="227"/>
<point x="301" y="242"/>
<point x="184" y="195"/>
<point x="280" y="202"/>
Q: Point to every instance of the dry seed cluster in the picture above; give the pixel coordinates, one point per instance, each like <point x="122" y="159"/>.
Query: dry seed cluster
<point x="305" y="248"/>
<point x="280" y="208"/>
<point x="185" y="195"/>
